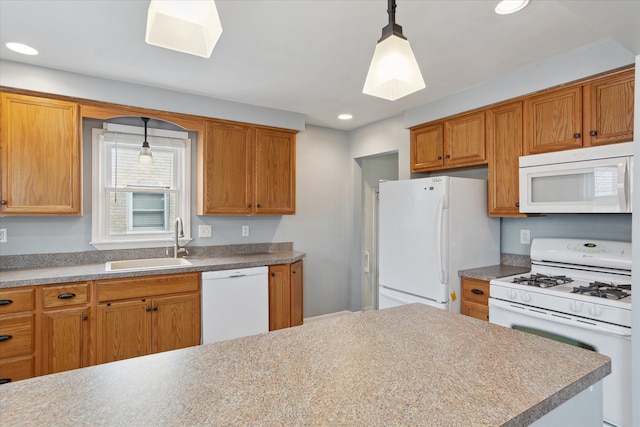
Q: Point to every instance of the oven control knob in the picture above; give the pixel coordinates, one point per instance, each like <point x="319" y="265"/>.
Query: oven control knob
<point x="595" y="310"/>
<point x="575" y="306"/>
<point x="525" y="296"/>
<point x="512" y="294"/>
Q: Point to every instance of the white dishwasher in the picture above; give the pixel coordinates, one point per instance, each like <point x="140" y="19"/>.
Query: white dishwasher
<point x="235" y="303"/>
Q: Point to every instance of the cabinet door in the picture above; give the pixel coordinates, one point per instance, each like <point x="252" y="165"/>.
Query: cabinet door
<point x="553" y="121"/>
<point x="504" y="146"/>
<point x="608" y="106"/>
<point x="124" y="330"/>
<point x="279" y="297"/>
<point x="65" y="339"/>
<point x="41" y="156"/>
<point x="225" y="170"/>
<point x="176" y="322"/>
<point x="464" y="143"/>
<point x="297" y="302"/>
<point x="275" y="178"/>
<point x="427" y="147"/>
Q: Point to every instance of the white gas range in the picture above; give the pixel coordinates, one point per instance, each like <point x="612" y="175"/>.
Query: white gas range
<point x="579" y="292"/>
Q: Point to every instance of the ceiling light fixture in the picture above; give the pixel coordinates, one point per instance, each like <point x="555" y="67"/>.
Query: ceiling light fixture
<point x="21" y="48"/>
<point x="506" y="7"/>
<point x="186" y="26"/>
<point x="394" y="72"/>
<point x="345" y="116"/>
<point x="145" y="157"/>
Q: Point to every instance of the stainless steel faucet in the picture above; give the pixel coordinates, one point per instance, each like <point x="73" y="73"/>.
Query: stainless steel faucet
<point x="177" y="249"/>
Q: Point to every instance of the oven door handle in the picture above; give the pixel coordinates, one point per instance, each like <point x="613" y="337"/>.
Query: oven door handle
<point x="542" y="314"/>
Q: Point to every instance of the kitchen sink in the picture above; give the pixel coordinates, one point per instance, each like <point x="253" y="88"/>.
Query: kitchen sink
<point x="146" y="264"/>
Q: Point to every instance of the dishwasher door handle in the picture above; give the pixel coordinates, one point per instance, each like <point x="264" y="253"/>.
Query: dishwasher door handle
<point x="233" y="276"/>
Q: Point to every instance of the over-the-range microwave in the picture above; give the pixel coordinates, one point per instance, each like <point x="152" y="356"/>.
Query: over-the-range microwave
<point x="585" y="180"/>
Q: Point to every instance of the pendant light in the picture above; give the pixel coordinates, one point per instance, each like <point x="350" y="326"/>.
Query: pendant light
<point x="394" y="72"/>
<point x="145" y="157"/>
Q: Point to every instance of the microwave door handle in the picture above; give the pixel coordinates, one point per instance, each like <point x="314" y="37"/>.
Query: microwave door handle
<point x="623" y="185"/>
<point x="550" y="317"/>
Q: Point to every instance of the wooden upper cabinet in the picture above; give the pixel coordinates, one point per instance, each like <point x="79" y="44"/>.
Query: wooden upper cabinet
<point x="275" y="177"/>
<point x="553" y="121"/>
<point x="464" y="143"/>
<point x="225" y="169"/>
<point x="427" y="147"/>
<point x="245" y="170"/>
<point x="41" y="156"/>
<point x="455" y="142"/>
<point x="608" y="106"/>
<point x="504" y="146"/>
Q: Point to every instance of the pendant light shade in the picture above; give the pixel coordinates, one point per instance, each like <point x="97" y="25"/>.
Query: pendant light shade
<point x="394" y="71"/>
<point x="145" y="157"/>
<point x="187" y="26"/>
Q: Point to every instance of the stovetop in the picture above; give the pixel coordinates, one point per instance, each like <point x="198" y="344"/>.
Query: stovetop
<point x="595" y="288"/>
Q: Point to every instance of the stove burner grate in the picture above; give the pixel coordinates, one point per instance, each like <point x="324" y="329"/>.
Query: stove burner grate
<point x="542" y="280"/>
<point x="604" y="290"/>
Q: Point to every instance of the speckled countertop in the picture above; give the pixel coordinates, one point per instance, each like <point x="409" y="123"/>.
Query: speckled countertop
<point x="75" y="273"/>
<point x="409" y="365"/>
<point x="492" y="272"/>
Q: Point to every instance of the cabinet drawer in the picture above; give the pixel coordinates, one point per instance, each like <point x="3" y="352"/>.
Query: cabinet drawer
<point x="478" y="311"/>
<point x="16" y="335"/>
<point x="16" y="369"/>
<point x="16" y="300"/>
<point x="65" y="295"/>
<point x="475" y="290"/>
<point x="147" y="286"/>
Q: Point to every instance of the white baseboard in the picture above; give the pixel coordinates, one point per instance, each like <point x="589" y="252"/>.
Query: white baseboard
<point x="326" y="316"/>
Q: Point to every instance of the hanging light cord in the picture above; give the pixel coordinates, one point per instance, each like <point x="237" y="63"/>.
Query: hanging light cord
<point x="392" y="29"/>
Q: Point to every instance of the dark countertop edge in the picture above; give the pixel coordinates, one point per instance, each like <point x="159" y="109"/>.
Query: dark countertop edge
<point x="554" y="401"/>
<point x="79" y="273"/>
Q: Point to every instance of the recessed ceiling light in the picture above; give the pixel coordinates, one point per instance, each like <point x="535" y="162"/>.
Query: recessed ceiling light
<point x="21" y="48"/>
<point x="506" y="7"/>
<point x="345" y="117"/>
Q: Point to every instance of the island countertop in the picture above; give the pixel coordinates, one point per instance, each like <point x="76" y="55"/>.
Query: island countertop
<point x="409" y="365"/>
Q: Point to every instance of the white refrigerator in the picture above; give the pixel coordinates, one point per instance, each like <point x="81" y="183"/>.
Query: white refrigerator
<point x="429" y="229"/>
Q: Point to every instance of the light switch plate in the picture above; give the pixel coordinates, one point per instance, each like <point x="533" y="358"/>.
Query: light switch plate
<point x="204" y="230"/>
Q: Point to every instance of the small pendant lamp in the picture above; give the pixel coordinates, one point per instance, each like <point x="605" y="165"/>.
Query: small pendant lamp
<point x="394" y="72"/>
<point x="145" y="157"/>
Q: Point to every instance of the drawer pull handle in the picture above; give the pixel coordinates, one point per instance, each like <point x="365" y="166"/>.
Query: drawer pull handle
<point x="477" y="291"/>
<point x="66" y="296"/>
<point x="5" y="337"/>
<point x="5" y="302"/>
<point x="5" y="380"/>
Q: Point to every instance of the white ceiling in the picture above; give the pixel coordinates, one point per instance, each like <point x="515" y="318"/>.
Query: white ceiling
<point x="312" y="56"/>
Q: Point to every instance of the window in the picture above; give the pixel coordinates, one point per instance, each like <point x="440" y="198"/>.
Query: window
<point x="135" y="205"/>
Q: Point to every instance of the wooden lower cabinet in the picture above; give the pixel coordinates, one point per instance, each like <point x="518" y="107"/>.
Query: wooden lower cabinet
<point x="17" y="334"/>
<point x="65" y="331"/>
<point x="285" y="295"/>
<point x="475" y="298"/>
<point x="143" y="315"/>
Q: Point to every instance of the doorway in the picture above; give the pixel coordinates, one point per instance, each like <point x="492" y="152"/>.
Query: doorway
<point x="377" y="168"/>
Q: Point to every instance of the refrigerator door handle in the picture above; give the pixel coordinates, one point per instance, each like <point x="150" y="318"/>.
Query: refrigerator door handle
<point x="442" y="274"/>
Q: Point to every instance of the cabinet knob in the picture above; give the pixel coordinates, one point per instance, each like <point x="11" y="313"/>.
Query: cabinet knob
<point x="593" y="133"/>
<point x="273" y="274"/>
<point x="249" y="205"/>
<point x="576" y="135"/>
<point x="5" y="302"/>
<point x="66" y="296"/>
<point x="3" y="202"/>
<point x="148" y="310"/>
<point x="258" y="206"/>
<point x="155" y="308"/>
<point x="517" y="204"/>
<point x="447" y="156"/>
<point x="439" y="157"/>
<point x="85" y="317"/>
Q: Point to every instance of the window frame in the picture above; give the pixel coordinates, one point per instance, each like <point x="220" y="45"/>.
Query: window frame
<point x="177" y="141"/>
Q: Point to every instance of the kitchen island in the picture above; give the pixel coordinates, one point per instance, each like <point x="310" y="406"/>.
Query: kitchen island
<point x="400" y="366"/>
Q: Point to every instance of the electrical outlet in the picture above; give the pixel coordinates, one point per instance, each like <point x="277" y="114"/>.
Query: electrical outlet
<point x="245" y="230"/>
<point x="3" y="235"/>
<point x="204" y="230"/>
<point x="525" y="237"/>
